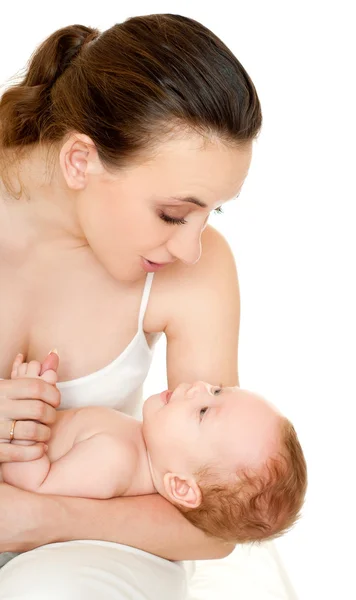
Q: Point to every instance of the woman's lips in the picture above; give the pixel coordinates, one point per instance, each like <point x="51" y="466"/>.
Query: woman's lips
<point x="151" y="267"/>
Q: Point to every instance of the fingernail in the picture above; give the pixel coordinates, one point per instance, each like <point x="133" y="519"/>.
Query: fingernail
<point x="54" y="351"/>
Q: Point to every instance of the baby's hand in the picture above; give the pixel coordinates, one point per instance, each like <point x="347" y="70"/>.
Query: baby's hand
<point x="21" y="369"/>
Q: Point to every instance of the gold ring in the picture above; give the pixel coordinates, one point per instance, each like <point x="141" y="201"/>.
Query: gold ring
<point x="12" y="430"/>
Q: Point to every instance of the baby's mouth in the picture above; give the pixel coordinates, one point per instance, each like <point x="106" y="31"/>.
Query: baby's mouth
<point x="166" y="396"/>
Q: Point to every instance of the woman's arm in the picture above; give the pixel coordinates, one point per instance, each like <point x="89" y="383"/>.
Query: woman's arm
<point x="151" y="523"/>
<point x="203" y="328"/>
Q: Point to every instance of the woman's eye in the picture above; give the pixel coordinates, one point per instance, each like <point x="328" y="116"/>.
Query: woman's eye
<point x="202" y="412"/>
<point x="217" y="391"/>
<point x="171" y="220"/>
<point x="218" y="210"/>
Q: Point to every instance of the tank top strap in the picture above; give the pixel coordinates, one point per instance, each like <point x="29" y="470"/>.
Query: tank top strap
<point x="145" y="298"/>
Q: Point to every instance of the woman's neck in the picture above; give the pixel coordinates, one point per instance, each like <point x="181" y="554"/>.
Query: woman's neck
<point x="41" y="208"/>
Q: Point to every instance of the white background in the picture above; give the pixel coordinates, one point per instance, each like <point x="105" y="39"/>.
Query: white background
<point x="292" y="233"/>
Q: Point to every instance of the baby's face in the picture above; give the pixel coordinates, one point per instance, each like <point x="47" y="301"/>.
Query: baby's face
<point x="199" y="424"/>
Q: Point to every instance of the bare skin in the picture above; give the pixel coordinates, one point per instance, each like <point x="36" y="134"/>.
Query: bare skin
<point x="171" y="532"/>
<point x="56" y="272"/>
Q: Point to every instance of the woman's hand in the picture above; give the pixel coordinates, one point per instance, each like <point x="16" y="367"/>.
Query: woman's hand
<point x="32" y="404"/>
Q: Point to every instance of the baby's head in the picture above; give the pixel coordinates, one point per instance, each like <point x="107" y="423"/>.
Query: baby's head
<point x="227" y="459"/>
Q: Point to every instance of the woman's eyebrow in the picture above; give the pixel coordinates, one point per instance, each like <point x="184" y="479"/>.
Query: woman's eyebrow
<point x="194" y="200"/>
<point x="190" y="199"/>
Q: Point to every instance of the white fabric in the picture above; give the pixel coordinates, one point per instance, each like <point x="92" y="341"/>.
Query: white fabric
<point x="249" y="573"/>
<point x="90" y="570"/>
<point x="119" y="384"/>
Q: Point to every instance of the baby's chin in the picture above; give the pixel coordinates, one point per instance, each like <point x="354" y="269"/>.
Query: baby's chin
<point x="152" y="404"/>
<point x="152" y="400"/>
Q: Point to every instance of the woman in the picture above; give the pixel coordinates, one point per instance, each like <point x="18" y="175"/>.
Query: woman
<point x="115" y="148"/>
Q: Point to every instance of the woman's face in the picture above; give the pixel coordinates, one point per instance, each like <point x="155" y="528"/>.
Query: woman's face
<point x="144" y="217"/>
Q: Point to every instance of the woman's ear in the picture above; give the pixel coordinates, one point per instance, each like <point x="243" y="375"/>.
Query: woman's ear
<point x="78" y="159"/>
<point x="182" y="489"/>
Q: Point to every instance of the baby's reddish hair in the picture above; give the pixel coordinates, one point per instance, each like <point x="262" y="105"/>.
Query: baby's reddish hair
<point x="258" y="505"/>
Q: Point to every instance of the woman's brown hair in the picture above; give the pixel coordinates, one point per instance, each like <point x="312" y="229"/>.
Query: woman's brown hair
<point x="126" y="87"/>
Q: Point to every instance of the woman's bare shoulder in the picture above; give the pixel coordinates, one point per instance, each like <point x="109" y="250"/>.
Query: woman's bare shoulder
<point x="182" y="284"/>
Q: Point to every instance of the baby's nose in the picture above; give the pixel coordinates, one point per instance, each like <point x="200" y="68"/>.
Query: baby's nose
<point x="197" y="387"/>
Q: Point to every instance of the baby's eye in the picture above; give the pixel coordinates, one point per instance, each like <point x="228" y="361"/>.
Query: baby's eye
<point x="217" y="391"/>
<point x="202" y="412"/>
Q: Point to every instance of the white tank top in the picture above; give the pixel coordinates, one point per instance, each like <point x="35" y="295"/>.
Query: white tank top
<point x="119" y="384"/>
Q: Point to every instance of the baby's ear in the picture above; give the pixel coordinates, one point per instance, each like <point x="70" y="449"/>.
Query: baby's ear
<point x="182" y="489"/>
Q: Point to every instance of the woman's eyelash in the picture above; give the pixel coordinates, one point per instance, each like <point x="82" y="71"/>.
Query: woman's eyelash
<point x="217" y="391"/>
<point x="171" y="220"/>
<point x="175" y="221"/>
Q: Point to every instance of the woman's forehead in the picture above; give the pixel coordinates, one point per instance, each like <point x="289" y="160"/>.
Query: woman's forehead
<point x="182" y="168"/>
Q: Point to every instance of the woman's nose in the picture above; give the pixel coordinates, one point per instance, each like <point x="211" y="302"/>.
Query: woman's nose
<point x="184" y="247"/>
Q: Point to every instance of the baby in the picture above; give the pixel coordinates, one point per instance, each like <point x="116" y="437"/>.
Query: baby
<point x="229" y="461"/>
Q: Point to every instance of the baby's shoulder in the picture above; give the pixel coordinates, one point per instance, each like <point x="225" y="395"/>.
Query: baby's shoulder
<point x="91" y="420"/>
<point x="100" y="412"/>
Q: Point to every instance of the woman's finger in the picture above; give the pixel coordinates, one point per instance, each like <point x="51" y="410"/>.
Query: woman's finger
<point x="24" y="430"/>
<point x="50" y="376"/>
<point x="28" y="410"/>
<point x="51" y="362"/>
<point x="15" y="453"/>
<point x="18" y="389"/>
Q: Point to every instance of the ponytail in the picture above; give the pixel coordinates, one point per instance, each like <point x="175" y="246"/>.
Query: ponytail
<point x="25" y="109"/>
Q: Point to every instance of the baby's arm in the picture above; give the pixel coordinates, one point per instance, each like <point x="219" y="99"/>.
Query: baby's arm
<point x="93" y="468"/>
<point x="27" y="475"/>
<point x="99" y="466"/>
